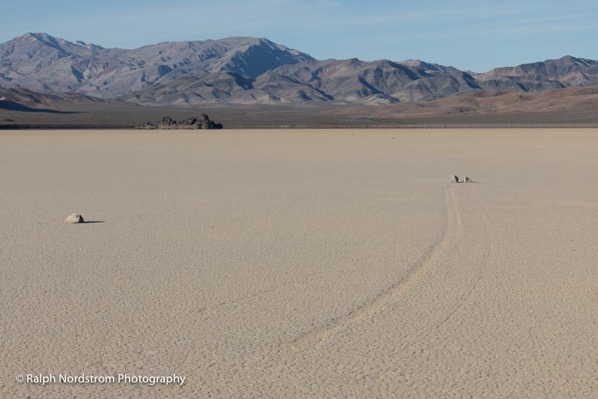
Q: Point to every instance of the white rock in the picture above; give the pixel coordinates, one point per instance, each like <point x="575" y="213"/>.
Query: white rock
<point x="455" y="179"/>
<point x="74" y="218"/>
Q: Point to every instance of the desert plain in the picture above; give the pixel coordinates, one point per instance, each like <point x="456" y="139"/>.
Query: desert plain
<point x="301" y="263"/>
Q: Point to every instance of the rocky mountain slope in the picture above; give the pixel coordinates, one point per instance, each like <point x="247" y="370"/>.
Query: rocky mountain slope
<point x="41" y="62"/>
<point x="245" y="70"/>
<point x="542" y="76"/>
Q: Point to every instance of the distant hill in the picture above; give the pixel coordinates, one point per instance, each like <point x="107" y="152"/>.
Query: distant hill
<point x="21" y="99"/>
<point x="543" y="76"/>
<point x="245" y="70"/>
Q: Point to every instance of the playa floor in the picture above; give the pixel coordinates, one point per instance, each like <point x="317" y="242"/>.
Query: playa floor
<point x="300" y="263"/>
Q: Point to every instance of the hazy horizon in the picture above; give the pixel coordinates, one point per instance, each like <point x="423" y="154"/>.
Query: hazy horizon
<point x="468" y="35"/>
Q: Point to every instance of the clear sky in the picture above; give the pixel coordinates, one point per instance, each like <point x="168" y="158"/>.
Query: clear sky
<point x="472" y="35"/>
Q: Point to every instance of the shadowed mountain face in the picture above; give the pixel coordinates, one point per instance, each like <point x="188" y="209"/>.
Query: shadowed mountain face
<point x="256" y="71"/>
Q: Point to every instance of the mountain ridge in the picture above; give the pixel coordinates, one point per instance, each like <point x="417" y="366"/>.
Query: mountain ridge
<point x="249" y="70"/>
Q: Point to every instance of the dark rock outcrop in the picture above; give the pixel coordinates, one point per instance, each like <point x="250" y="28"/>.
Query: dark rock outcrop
<point x="167" y="123"/>
<point x="204" y="122"/>
<point x="197" y="122"/>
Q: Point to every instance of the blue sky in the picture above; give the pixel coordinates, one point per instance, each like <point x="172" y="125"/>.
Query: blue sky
<point x="468" y="34"/>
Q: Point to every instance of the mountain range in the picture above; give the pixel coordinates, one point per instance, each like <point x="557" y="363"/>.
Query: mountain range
<point x="245" y="70"/>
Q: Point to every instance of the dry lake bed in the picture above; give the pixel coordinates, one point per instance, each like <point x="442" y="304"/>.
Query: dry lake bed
<point x="299" y="264"/>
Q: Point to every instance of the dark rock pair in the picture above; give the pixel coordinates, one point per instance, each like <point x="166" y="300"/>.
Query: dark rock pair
<point x="455" y="179"/>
